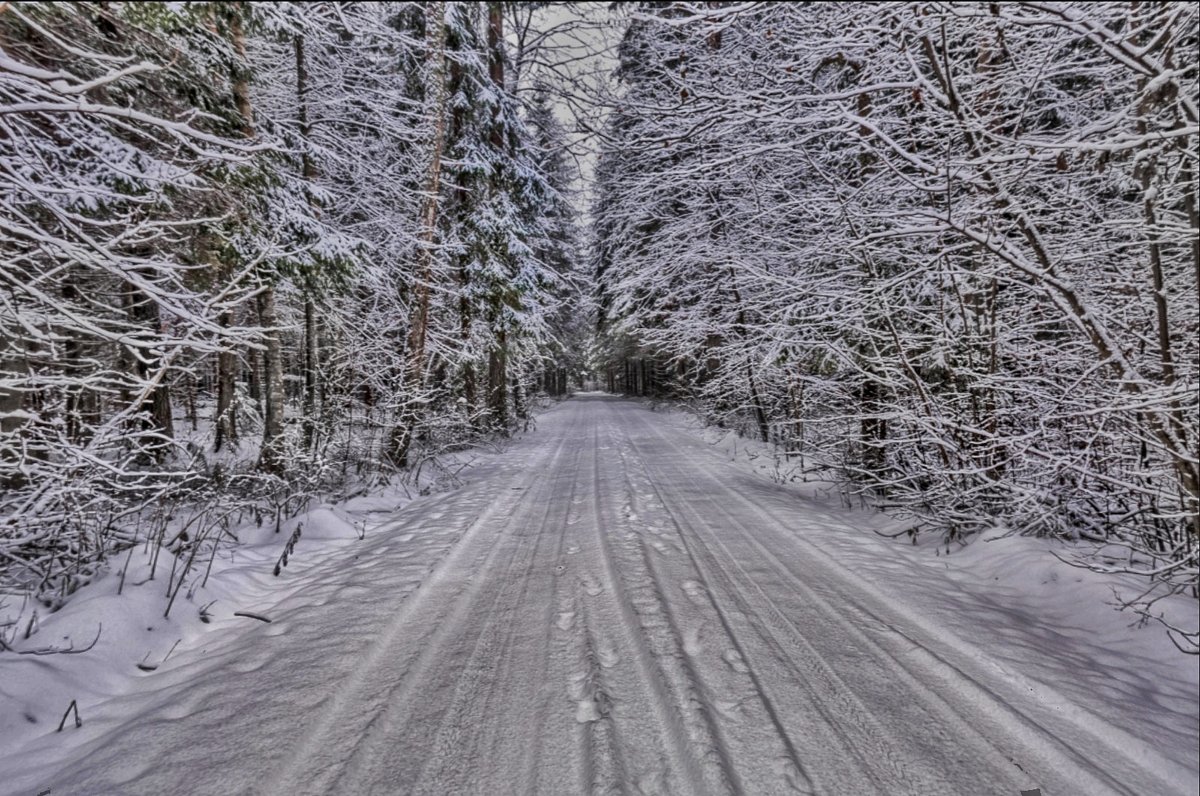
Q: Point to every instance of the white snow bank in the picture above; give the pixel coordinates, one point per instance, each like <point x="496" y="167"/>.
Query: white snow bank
<point x="133" y="639"/>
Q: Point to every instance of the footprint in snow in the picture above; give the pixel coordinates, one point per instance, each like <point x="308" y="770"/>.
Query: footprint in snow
<point x="608" y="657"/>
<point x="691" y="644"/>
<point x="730" y="709"/>
<point x="691" y="640"/>
<point x="592" y="708"/>
<point x="734" y="659"/>
<point x="694" y="590"/>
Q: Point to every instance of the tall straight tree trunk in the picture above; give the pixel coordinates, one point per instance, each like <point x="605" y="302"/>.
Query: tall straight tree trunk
<point x="312" y="374"/>
<point x="470" y="389"/>
<point x="497" y="386"/>
<point x="72" y="354"/>
<point x="311" y="328"/>
<point x="462" y="194"/>
<point x="226" y="431"/>
<point x="414" y="366"/>
<point x="271" y="458"/>
<point x="520" y="407"/>
<point x="498" y="355"/>
<point x="227" y="361"/>
<point x="872" y="427"/>
<point x="254" y="378"/>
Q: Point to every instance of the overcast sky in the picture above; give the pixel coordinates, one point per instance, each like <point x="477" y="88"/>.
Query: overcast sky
<point x="577" y="56"/>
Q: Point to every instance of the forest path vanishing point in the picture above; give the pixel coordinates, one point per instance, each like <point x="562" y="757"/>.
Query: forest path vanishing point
<point x="610" y="607"/>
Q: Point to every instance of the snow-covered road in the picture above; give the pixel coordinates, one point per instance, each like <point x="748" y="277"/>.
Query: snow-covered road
<point x="610" y="608"/>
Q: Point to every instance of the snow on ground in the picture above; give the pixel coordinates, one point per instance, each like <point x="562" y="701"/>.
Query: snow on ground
<point x="124" y="616"/>
<point x="616" y="602"/>
<point x="1011" y="600"/>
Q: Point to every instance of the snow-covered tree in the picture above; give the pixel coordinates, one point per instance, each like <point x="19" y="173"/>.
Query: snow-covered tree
<point x="949" y="251"/>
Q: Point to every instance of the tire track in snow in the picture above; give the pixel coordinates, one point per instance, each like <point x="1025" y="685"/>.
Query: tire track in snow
<point x="621" y="574"/>
<point x="366" y="699"/>
<point x="602" y="764"/>
<point x="686" y="689"/>
<point x="602" y="768"/>
<point x="964" y="703"/>
<point x="793" y="773"/>
<point x="497" y="667"/>
<point x="862" y="737"/>
<point x="558" y="730"/>
<point x="664" y="704"/>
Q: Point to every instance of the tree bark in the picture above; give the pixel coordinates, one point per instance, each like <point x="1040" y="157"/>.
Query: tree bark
<point x="144" y="312"/>
<point x="226" y="419"/>
<point x="498" y="356"/>
<point x="227" y="363"/>
<point x="271" y="458"/>
<point x="311" y="371"/>
<point x="311" y="330"/>
<point x="414" y="368"/>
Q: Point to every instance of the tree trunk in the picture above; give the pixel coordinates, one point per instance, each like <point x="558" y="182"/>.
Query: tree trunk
<point x="520" y="409"/>
<point x="272" y="457"/>
<point x="462" y="194"/>
<point x="254" y="379"/>
<point x="144" y="312"/>
<point x="227" y="363"/>
<point x="873" y="430"/>
<point x="497" y="386"/>
<point x="311" y="372"/>
<point x="311" y="336"/>
<point x="470" y="390"/>
<point x="72" y="354"/>
<point x="498" y="356"/>
<point x="414" y="367"/>
<point x="226" y="419"/>
<point x="241" y="78"/>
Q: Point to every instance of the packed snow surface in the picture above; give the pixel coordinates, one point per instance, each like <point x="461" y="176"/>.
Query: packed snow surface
<point x="614" y="605"/>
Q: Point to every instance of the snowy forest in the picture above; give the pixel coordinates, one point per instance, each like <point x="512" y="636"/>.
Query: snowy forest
<point x="949" y="250"/>
<point x="257" y="252"/>
<point x="254" y="252"/>
<point x="937" y="264"/>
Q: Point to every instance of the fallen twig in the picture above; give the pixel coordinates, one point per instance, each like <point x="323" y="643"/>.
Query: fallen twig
<point x="78" y="721"/>
<point x="249" y="615"/>
<point x="55" y="650"/>
<point x="150" y="667"/>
